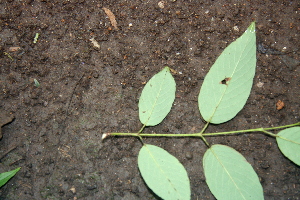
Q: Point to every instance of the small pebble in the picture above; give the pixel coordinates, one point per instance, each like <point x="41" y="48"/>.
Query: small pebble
<point x="279" y="105"/>
<point x="260" y="84"/>
<point x="265" y="164"/>
<point x="161" y="4"/>
<point x="91" y="187"/>
<point x="284" y="49"/>
<point x="236" y="28"/>
<point x="73" y="190"/>
<point x="189" y="155"/>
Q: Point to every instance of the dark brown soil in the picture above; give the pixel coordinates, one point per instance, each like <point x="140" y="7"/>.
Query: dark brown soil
<point x="85" y="91"/>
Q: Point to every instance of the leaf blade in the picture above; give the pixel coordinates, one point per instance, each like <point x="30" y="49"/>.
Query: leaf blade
<point x="4" y="177"/>
<point x="157" y="98"/>
<point x="228" y="83"/>
<point x="229" y="175"/>
<point x="289" y="143"/>
<point x="163" y="173"/>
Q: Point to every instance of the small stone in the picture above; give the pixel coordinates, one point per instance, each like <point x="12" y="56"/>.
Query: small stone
<point x="161" y="4"/>
<point x="91" y="187"/>
<point x="236" y="28"/>
<point x="73" y="190"/>
<point x="189" y="155"/>
<point x="279" y="105"/>
<point x="265" y="164"/>
<point x="260" y="84"/>
<point x="284" y="49"/>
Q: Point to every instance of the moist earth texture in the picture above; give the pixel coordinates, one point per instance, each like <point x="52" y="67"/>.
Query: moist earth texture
<point x="71" y="71"/>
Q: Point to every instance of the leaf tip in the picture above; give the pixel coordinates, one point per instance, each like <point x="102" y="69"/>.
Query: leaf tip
<point x="251" y="28"/>
<point x="167" y="68"/>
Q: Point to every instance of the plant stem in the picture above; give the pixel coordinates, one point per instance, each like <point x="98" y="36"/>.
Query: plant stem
<point x="269" y="133"/>
<point x="204" y="128"/>
<point x="202" y="131"/>
<point x="142" y="129"/>
<point x="264" y="130"/>
<point x="204" y="140"/>
<point x="252" y="130"/>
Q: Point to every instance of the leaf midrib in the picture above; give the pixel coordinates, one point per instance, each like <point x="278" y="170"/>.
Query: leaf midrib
<point x="162" y="171"/>
<point x="223" y="94"/>
<point x="156" y="99"/>
<point x="227" y="172"/>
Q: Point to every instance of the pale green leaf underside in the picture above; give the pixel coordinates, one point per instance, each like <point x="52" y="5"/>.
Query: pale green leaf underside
<point x="4" y="177"/>
<point x="163" y="173"/>
<point x="229" y="175"/>
<point x="228" y="83"/>
<point x="157" y="98"/>
<point x="289" y="143"/>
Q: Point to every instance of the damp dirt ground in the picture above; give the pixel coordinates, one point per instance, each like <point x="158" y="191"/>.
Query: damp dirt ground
<point x="89" y="88"/>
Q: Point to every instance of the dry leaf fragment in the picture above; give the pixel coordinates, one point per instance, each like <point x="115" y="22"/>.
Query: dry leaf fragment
<point x="173" y="71"/>
<point x="279" y="105"/>
<point x="13" y="49"/>
<point x="111" y="17"/>
<point x="95" y="43"/>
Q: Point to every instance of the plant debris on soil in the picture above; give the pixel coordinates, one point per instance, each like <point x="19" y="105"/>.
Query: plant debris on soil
<point x="86" y="90"/>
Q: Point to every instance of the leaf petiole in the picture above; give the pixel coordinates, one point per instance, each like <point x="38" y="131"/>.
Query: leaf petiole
<point x="202" y="135"/>
<point x="142" y="128"/>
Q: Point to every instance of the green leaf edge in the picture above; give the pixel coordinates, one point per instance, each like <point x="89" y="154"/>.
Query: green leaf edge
<point x="170" y="106"/>
<point x="173" y="157"/>
<point x="5" y="176"/>
<point x="284" y="142"/>
<point x="251" y="28"/>
<point x="214" y="153"/>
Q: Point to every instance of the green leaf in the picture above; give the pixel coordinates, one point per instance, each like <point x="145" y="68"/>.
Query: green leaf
<point x="228" y="83"/>
<point x="4" y="177"/>
<point x="229" y="175"/>
<point x="163" y="173"/>
<point x="157" y="98"/>
<point x="289" y="143"/>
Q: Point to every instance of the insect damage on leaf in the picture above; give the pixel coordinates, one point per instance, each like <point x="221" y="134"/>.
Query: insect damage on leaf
<point x="228" y="82"/>
<point x="225" y="81"/>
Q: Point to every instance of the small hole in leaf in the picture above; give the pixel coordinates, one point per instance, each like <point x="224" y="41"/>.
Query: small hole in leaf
<point x="225" y="81"/>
